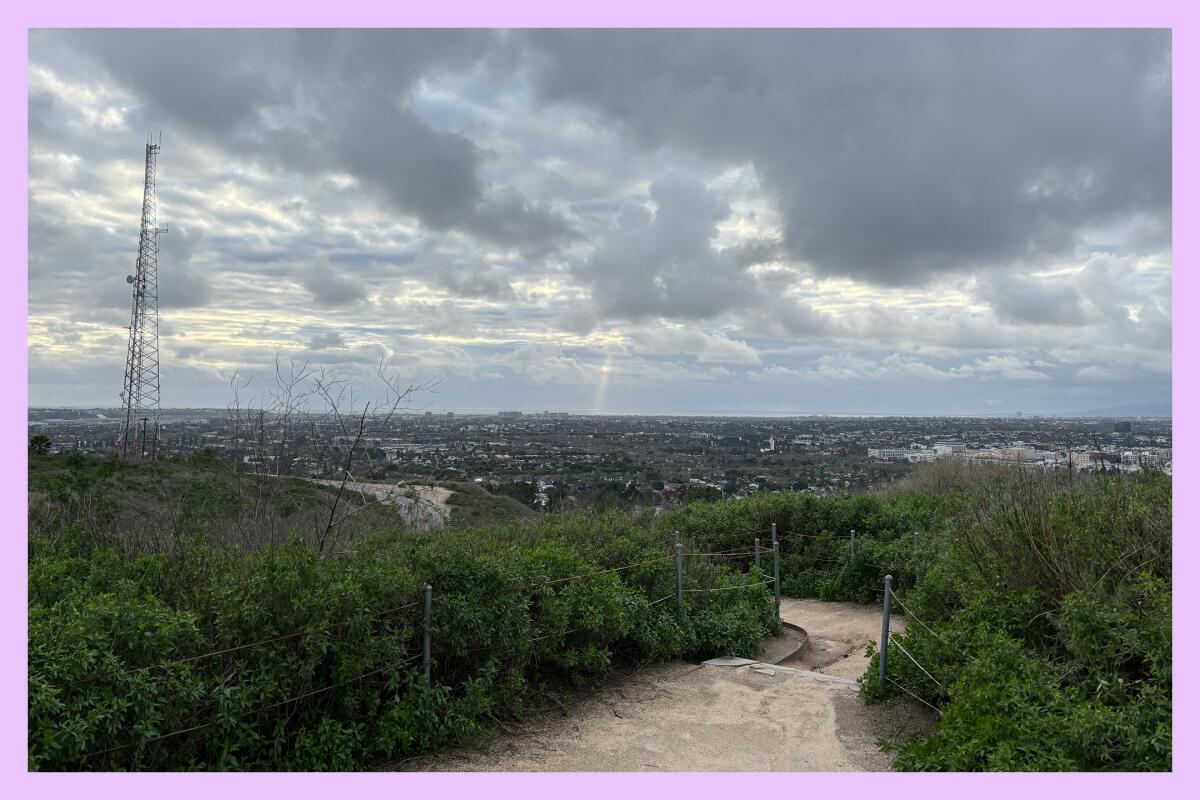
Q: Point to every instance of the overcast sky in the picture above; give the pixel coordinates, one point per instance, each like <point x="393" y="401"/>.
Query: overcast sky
<point x="947" y="222"/>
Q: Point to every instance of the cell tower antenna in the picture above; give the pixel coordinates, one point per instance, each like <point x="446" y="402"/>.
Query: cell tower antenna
<point x="140" y="395"/>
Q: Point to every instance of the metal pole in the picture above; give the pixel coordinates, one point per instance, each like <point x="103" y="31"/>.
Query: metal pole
<point x="852" y="551"/>
<point x="774" y="535"/>
<point x="679" y="577"/>
<point x="428" y="614"/>
<point x="775" y="548"/>
<point x="678" y="541"/>
<point x="757" y="553"/>
<point x="887" y="613"/>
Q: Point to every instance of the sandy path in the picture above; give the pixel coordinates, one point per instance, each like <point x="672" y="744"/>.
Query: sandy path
<point x="684" y="717"/>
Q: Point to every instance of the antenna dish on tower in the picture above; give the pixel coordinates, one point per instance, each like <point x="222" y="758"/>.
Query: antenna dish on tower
<point x="129" y="279"/>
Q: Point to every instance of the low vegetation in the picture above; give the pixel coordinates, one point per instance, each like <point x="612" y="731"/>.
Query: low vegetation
<point x="1039" y="606"/>
<point x="1038" y="610"/>
<point x="203" y="655"/>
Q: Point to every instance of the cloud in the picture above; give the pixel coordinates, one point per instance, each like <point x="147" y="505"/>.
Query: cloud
<point x="706" y="348"/>
<point x="896" y="155"/>
<point x="297" y="100"/>
<point x="544" y="364"/>
<point x="664" y="263"/>
<point x="330" y="340"/>
<point x="1095" y="373"/>
<point x="329" y="287"/>
<point x="1009" y="367"/>
<point x="1023" y="299"/>
<point x="478" y="282"/>
<point x="875" y="220"/>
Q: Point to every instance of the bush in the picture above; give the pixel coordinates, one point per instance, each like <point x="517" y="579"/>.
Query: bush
<point x="1045" y="624"/>
<point x="1038" y="605"/>
<point x="140" y="661"/>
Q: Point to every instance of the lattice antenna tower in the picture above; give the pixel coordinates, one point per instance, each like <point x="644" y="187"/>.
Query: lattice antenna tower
<point x="140" y="395"/>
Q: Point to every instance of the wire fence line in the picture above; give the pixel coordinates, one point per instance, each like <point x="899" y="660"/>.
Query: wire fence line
<point x="909" y="615"/>
<point x="248" y="712"/>
<point x="914" y="695"/>
<point x="315" y="627"/>
<point x="733" y="588"/>
<point x="283" y="637"/>
<point x="334" y="625"/>
<point x="914" y="660"/>
<point x="312" y="627"/>
<point x="602" y="571"/>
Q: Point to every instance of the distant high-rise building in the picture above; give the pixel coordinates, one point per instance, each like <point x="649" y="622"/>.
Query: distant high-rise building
<point x="1123" y="426"/>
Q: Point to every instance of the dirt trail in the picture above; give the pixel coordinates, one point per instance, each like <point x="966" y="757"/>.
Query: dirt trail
<point x="685" y="717"/>
<point x="422" y="507"/>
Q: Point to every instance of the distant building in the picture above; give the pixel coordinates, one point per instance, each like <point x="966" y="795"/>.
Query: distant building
<point x="1123" y="426"/>
<point x="509" y="414"/>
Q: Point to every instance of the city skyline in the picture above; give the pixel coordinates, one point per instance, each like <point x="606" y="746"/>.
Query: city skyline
<point x="867" y="222"/>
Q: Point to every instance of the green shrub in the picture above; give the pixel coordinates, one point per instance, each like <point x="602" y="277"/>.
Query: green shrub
<point x="139" y="661"/>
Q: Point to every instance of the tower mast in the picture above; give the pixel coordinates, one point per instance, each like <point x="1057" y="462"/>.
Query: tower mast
<point x="140" y="395"/>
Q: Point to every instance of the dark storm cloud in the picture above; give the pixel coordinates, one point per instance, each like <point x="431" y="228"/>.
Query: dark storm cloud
<point x="838" y="218"/>
<point x="328" y="100"/>
<point x="478" y="282"/>
<point x="894" y="155"/>
<point x="665" y="263"/>
<point x="331" y="288"/>
<point x="1021" y="299"/>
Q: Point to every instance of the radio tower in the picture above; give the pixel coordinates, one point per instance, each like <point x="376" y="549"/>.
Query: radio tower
<point x="139" y="398"/>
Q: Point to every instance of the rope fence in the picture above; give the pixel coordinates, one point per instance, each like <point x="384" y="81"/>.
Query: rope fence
<point x="914" y="695"/>
<point x="772" y="550"/>
<point x="257" y="710"/>
<point x="733" y="588"/>
<point x="914" y="660"/>
<point x="602" y="572"/>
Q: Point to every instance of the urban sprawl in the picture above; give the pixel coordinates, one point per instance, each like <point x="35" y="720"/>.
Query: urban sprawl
<point x="555" y="459"/>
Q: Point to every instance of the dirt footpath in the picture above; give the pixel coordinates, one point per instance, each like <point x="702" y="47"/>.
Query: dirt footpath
<point x="803" y="716"/>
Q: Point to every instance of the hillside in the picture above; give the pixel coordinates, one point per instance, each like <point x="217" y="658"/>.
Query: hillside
<point x="148" y="505"/>
<point x="1038" y="609"/>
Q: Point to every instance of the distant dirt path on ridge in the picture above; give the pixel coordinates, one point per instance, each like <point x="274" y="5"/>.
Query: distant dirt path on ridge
<point x="688" y="717"/>
<point x="422" y="507"/>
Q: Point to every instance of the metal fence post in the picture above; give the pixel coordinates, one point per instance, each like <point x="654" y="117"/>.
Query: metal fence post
<point x="428" y="614"/>
<point x="775" y="548"/>
<point x="774" y="535"/>
<point x="887" y="613"/>
<point x="757" y="554"/>
<point x="679" y="577"/>
<point x="852" y="549"/>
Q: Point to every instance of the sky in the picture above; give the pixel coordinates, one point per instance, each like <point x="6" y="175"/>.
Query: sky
<point x="791" y="221"/>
